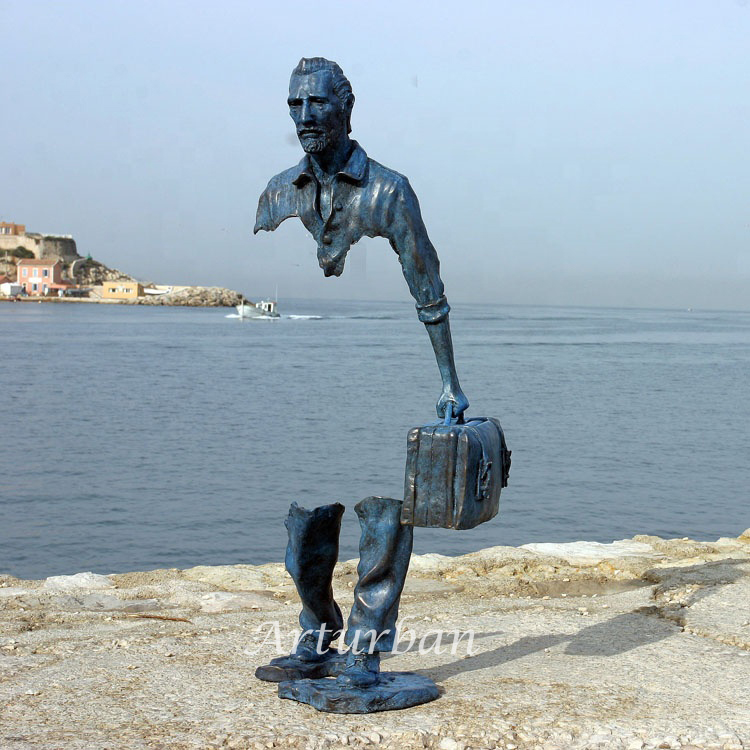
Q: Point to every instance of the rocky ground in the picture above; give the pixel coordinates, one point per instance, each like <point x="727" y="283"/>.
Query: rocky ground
<point x="643" y="643"/>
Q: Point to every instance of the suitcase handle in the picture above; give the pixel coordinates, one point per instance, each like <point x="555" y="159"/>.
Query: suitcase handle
<point x="449" y="415"/>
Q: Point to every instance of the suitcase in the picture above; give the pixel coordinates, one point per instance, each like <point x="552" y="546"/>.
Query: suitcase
<point x="454" y="473"/>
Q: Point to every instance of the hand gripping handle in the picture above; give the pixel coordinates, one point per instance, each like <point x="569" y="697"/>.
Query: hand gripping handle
<point x="449" y="419"/>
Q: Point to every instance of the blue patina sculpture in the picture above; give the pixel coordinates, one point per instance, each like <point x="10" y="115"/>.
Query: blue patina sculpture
<point x="341" y="195"/>
<point x="312" y="551"/>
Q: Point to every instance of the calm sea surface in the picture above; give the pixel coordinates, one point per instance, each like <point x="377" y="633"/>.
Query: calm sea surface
<point x="137" y="438"/>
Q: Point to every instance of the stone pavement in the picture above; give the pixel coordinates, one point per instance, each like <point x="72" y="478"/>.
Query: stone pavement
<point x="643" y="643"/>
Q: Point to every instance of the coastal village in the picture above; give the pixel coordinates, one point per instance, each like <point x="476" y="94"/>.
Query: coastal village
<point x="48" y="268"/>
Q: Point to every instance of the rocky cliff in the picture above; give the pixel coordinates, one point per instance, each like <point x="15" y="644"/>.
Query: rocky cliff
<point x="41" y="245"/>
<point x="195" y="296"/>
<point x="89" y="272"/>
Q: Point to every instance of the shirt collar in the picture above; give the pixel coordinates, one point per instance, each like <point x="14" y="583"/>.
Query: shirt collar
<point x="354" y="169"/>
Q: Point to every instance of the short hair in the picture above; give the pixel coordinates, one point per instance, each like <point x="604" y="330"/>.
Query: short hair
<point x="341" y="86"/>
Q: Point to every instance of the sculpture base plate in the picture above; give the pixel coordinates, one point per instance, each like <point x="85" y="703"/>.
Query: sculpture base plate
<point x="393" y="691"/>
<point x="290" y="668"/>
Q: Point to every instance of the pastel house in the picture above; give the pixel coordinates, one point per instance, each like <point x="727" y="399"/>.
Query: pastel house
<point x="121" y="289"/>
<point x="38" y="276"/>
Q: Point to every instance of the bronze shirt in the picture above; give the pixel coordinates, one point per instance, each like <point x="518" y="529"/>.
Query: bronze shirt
<point x="367" y="199"/>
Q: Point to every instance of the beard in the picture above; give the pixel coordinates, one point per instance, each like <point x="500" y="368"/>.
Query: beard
<point x="314" y="144"/>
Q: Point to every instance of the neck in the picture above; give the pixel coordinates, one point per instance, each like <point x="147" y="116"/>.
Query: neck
<point x="332" y="160"/>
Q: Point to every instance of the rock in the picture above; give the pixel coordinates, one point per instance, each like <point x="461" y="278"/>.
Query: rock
<point x="103" y="602"/>
<point x="680" y="548"/>
<point x="89" y="272"/>
<point x="10" y="591"/>
<point x="418" y="587"/>
<point x="194" y="296"/>
<point x="225" y="601"/>
<point x="78" y="581"/>
<point x="494" y="558"/>
<point x="229" y="577"/>
<point x="600" y="739"/>
<point x="592" y="553"/>
<point x="429" y="563"/>
<point x="98" y="602"/>
<point x="720" y="611"/>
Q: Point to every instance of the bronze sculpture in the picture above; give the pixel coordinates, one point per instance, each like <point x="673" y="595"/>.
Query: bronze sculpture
<point x="341" y="195"/>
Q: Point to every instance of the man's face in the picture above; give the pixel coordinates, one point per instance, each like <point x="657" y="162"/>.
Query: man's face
<point x="317" y="112"/>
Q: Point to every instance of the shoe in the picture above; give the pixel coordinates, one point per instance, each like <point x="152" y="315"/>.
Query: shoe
<point x="305" y="662"/>
<point x="362" y="669"/>
<point x="307" y="648"/>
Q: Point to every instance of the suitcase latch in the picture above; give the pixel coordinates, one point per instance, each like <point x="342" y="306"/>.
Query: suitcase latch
<point x="484" y="480"/>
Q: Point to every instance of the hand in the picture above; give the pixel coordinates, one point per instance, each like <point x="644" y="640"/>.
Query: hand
<point x="454" y="396"/>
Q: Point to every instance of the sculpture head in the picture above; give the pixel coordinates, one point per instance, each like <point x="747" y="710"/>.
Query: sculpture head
<point x="320" y="103"/>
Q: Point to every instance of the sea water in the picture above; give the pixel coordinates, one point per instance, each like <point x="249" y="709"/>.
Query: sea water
<point x="145" y="437"/>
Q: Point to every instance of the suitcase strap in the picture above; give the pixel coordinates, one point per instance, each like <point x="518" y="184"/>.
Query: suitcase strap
<point x="484" y="478"/>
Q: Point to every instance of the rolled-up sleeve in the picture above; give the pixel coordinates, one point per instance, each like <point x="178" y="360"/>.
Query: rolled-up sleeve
<point x="419" y="261"/>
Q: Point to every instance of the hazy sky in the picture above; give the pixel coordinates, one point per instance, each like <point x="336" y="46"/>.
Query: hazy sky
<point x="563" y="152"/>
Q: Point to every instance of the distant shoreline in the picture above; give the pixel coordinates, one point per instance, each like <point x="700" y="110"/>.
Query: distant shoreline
<point x="128" y="303"/>
<point x="64" y="299"/>
<point x="190" y="297"/>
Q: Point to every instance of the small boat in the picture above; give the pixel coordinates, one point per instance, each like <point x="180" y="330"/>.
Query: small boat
<point x="157" y="290"/>
<point x="266" y="308"/>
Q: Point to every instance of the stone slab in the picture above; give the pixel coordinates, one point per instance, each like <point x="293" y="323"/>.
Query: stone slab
<point x="87" y="580"/>
<point x="227" y="577"/>
<point x="394" y="691"/>
<point x="592" y="552"/>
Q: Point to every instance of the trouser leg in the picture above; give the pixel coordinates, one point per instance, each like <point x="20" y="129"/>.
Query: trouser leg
<point x="311" y="555"/>
<point x="384" y="551"/>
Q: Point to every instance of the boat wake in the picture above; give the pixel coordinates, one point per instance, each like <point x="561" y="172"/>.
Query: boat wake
<point x="246" y="317"/>
<point x="268" y="317"/>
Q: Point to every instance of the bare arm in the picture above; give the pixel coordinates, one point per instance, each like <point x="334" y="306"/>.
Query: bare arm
<point x="421" y="268"/>
<point x="442" y="345"/>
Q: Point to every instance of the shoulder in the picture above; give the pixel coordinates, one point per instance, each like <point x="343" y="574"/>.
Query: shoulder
<point x="276" y="202"/>
<point x="282" y="181"/>
<point x="392" y="185"/>
<point x="386" y="177"/>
